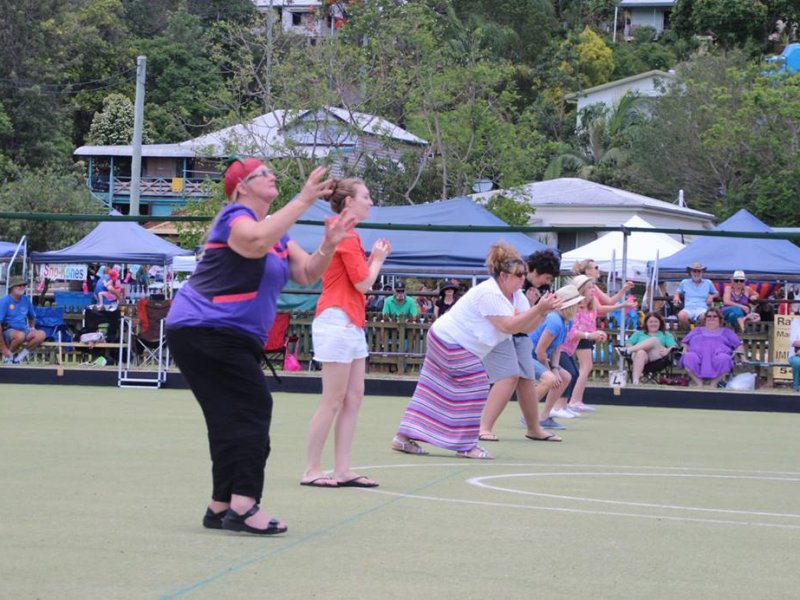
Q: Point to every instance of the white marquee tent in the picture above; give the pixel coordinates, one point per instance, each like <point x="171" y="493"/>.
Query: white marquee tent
<point x="607" y="251"/>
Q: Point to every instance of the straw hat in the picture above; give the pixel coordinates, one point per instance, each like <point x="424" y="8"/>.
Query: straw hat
<point x="580" y="280"/>
<point x="739" y="275"/>
<point x="696" y="266"/>
<point x="569" y="296"/>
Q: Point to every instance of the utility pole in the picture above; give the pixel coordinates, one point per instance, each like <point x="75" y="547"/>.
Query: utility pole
<point x="138" y="123"/>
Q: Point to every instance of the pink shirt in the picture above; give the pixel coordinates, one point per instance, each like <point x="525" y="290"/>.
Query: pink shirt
<point x="585" y="321"/>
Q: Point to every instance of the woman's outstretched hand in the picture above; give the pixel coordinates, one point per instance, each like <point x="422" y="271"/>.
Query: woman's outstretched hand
<point x="337" y="229"/>
<point x="381" y="249"/>
<point x="315" y="187"/>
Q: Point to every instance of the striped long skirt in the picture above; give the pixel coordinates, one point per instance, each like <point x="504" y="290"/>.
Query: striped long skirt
<point x="446" y="407"/>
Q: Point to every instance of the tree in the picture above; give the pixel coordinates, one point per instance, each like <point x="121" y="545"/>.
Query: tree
<point x="728" y="136"/>
<point x="731" y="22"/>
<point x="114" y="125"/>
<point x="601" y="150"/>
<point x="45" y="191"/>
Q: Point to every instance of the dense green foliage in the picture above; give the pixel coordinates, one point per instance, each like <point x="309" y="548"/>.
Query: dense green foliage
<point x="484" y="82"/>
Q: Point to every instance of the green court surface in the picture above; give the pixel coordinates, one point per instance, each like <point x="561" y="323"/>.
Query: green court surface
<point x="102" y="492"/>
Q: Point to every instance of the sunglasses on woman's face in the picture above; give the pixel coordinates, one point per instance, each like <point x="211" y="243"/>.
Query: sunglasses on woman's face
<point x="259" y="173"/>
<point x="712" y="316"/>
<point x="738" y="281"/>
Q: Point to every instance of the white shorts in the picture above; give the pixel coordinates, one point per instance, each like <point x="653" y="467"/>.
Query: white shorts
<point x="695" y="312"/>
<point x="336" y="339"/>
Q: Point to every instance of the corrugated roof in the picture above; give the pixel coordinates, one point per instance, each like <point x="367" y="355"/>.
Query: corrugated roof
<point x="619" y="82"/>
<point x="572" y="191"/>
<point x="263" y="136"/>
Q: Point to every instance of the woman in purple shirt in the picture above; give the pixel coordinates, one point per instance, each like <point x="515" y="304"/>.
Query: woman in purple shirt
<point x="219" y="322"/>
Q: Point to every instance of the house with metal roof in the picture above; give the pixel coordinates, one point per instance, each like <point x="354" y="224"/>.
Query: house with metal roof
<point x="569" y="202"/>
<point x="646" y="85"/>
<point x="174" y="173"/>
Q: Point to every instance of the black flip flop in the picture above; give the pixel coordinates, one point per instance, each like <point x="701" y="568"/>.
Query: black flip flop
<point x="547" y="438"/>
<point x="313" y="482"/>
<point x="357" y="482"/>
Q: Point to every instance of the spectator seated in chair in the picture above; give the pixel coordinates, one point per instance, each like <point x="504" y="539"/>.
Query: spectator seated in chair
<point x="649" y="349"/>
<point x="18" y="333"/>
<point x="708" y="351"/>
<point x="110" y="291"/>
<point x="739" y="302"/>
<point x="695" y="294"/>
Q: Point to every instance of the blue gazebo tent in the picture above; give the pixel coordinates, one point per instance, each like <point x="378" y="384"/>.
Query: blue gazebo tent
<point x="440" y="253"/>
<point x="762" y="259"/>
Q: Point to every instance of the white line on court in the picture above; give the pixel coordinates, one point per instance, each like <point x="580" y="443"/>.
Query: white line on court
<point x="479" y="482"/>
<point x="743" y="474"/>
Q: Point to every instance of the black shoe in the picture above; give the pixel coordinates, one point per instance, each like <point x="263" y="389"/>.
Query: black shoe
<point x="233" y="521"/>
<point x="212" y="520"/>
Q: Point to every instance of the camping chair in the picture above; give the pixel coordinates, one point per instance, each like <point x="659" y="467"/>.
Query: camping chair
<point x="50" y="319"/>
<point x="150" y="345"/>
<point x="655" y="371"/>
<point x="278" y="340"/>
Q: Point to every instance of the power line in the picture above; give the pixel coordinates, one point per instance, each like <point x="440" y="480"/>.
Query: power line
<point x="71" y="88"/>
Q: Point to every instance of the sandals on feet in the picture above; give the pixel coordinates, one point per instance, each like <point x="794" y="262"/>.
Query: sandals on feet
<point x="409" y="447"/>
<point x="233" y="521"/>
<point x="212" y="520"/>
<point x="477" y="452"/>
<point x="488" y="437"/>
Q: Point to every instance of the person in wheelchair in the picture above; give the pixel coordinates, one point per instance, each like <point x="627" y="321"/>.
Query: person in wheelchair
<point x="649" y="349"/>
<point x="708" y="351"/>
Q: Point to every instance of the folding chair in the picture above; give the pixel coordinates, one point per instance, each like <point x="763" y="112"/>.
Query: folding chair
<point x="655" y="370"/>
<point x="50" y="319"/>
<point x="150" y="347"/>
<point x="147" y="342"/>
<point x="277" y="341"/>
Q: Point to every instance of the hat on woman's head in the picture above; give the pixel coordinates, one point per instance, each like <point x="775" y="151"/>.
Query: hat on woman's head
<point x="696" y="266"/>
<point x="569" y="296"/>
<point x="448" y="286"/>
<point x="580" y="280"/>
<point x="113" y="274"/>
<point x="237" y="170"/>
<point x="739" y="275"/>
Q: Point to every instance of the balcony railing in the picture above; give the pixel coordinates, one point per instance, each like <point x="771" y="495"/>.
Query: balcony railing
<point x="177" y="187"/>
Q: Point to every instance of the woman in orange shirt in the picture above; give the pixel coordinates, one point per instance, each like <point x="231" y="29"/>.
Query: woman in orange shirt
<point x="340" y="342"/>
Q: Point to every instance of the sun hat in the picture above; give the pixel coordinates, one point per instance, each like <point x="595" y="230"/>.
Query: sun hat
<point x="448" y="286"/>
<point x="16" y="281"/>
<point x="696" y="266"/>
<point x="569" y="296"/>
<point x="237" y="171"/>
<point x="580" y="280"/>
<point x="739" y="275"/>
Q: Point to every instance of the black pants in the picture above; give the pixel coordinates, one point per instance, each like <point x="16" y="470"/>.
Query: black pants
<point x="223" y="369"/>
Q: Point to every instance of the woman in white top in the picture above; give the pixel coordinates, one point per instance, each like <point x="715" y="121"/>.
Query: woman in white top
<point x="445" y="409"/>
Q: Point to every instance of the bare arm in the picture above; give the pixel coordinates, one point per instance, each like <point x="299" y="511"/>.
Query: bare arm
<point x="528" y="320"/>
<point x="253" y="239"/>
<point x="306" y="268"/>
<point x="380" y="250"/>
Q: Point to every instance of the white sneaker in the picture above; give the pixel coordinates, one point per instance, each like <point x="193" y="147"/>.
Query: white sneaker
<point x="562" y="413"/>
<point x="22" y="355"/>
